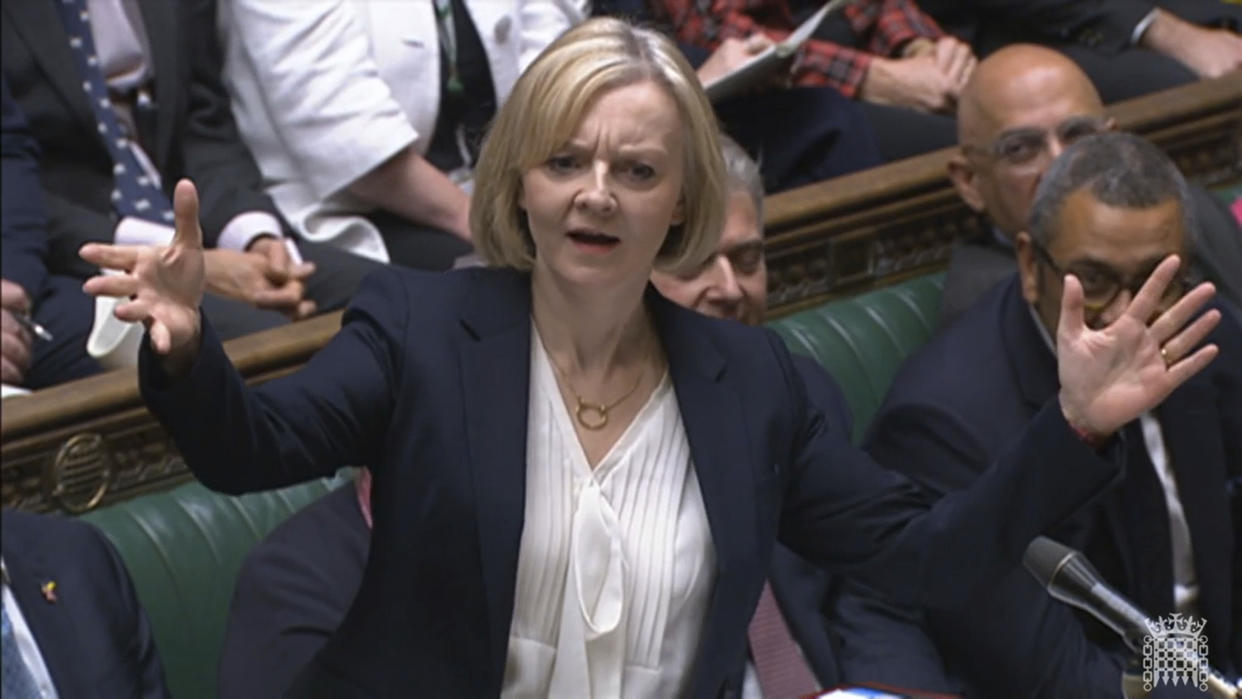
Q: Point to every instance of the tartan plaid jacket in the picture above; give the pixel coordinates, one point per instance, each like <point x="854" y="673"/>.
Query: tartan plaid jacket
<point x="881" y="28"/>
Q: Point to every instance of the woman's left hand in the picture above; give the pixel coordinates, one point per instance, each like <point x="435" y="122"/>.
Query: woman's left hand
<point x="1113" y="375"/>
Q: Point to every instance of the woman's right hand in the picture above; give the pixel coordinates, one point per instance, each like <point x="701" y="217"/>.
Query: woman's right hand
<point x="164" y="284"/>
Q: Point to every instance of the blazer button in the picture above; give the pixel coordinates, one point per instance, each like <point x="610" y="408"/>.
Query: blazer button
<point x="502" y="29"/>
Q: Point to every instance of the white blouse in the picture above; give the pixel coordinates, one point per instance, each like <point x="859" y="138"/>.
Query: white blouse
<point x="616" y="565"/>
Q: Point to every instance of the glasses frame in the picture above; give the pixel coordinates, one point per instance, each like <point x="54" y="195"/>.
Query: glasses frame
<point x="1180" y="284"/>
<point x="994" y="150"/>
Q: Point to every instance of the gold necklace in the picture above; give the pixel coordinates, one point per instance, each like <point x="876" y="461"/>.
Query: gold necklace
<point x="599" y="410"/>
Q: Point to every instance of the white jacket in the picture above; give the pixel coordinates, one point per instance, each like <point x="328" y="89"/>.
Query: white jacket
<point x="326" y="90"/>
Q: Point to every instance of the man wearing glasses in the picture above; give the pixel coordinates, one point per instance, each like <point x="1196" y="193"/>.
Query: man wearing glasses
<point x="1108" y="211"/>
<point x="1023" y="106"/>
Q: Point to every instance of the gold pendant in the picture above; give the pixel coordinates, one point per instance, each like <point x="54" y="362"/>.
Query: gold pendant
<point x="585" y="409"/>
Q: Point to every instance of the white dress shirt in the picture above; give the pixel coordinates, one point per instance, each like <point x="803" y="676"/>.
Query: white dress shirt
<point x="1185" y="580"/>
<point x="616" y="565"/>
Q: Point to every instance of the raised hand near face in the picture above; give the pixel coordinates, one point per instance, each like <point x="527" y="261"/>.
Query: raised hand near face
<point x="164" y="284"/>
<point x="1113" y="375"/>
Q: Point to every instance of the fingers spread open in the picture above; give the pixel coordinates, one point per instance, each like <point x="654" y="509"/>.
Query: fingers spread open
<point x="1071" y="322"/>
<point x="1148" y="297"/>
<point x="185" y="207"/>
<point x="122" y="257"/>
<point x="1181" y="371"/>
<point x="161" y="338"/>
<point x="132" y="311"/>
<point x="1181" y="312"/>
<point x="119" y="285"/>
<point x="1185" y="341"/>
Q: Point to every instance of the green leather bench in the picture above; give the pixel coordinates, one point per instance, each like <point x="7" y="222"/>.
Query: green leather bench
<point x="185" y="546"/>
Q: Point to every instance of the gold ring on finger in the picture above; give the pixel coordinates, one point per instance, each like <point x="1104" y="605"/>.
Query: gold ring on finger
<point x="1164" y="354"/>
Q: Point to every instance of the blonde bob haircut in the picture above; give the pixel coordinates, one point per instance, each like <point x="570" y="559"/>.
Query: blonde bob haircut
<point x="544" y="110"/>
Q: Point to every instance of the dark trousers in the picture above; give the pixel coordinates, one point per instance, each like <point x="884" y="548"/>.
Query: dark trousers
<point x="800" y="135"/>
<point x="417" y="246"/>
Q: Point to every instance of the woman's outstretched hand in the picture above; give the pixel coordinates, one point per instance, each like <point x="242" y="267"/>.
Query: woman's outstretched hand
<point x="1113" y="375"/>
<point x="164" y="284"/>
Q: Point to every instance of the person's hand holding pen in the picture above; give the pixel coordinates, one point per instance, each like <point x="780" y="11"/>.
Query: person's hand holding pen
<point x="18" y="336"/>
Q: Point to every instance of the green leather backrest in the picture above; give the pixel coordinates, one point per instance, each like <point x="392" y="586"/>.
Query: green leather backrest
<point x="183" y="549"/>
<point x="864" y="339"/>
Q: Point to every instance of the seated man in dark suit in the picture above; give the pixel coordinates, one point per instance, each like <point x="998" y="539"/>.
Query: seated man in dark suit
<point x="1107" y="211"/>
<point x="124" y="100"/>
<point x="1023" y="106"/>
<point x="56" y="303"/>
<point x="296" y="586"/>
<point x="72" y="623"/>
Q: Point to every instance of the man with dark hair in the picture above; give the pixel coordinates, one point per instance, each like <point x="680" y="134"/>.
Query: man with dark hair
<point x="1106" y="213"/>
<point x="1024" y="105"/>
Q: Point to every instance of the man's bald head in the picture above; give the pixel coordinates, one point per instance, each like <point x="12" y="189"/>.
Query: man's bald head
<point x="1019" y="90"/>
<point x="1007" y="84"/>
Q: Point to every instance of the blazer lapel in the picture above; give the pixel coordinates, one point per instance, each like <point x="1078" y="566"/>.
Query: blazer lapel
<point x="52" y="623"/>
<point x="161" y="22"/>
<point x="39" y="24"/>
<point x="1190" y="426"/>
<point x="711" y="413"/>
<point x="495" y="367"/>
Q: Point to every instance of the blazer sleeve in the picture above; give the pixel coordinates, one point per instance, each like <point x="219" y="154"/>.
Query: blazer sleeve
<point x="332" y="412"/>
<point x="1013" y="634"/>
<point x="323" y="91"/>
<point x="215" y="157"/>
<point x="23" y="220"/>
<point x="843" y="511"/>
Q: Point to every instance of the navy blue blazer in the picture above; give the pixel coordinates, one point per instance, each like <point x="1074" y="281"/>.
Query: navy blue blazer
<point x="94" y="638"/>
<point x="428" y="381"/>
<point x="964" y="400"/>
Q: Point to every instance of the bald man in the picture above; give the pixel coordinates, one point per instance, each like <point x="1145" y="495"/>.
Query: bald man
<point x="1023" y="105"/>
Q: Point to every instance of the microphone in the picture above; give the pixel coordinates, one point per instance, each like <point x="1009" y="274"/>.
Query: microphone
<point x="1068" y="576"/>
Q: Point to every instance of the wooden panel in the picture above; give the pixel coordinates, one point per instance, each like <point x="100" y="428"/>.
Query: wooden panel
<point x="846" y="235"/>
<point x="91" y="442"/>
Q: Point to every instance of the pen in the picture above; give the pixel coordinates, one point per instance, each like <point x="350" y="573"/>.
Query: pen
<point x="37" y="330"/>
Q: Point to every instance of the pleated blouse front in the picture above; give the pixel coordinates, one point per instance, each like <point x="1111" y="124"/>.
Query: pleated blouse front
<point x="615" y="565"/>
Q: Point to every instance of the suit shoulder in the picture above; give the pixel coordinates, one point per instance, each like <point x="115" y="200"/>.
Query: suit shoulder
<point x="65" y="539"/>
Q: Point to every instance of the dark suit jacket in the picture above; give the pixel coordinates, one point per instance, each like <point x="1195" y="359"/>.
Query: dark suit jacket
<point x="960" y="402"/>
<point x="195" y="135"/>
<point x="978" y="265"/>
<point x="21" y="216"/>
<point x="94" y="639"/>
<point x="428" y="382"/>
<point x="296" y="586"/>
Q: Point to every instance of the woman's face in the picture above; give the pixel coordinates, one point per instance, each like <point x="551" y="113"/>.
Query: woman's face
<point x="600" y="207"/>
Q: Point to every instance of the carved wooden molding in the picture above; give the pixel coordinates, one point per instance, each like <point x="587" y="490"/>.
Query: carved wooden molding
<point x="873" y="228"/>
<point x="91" y="442"/>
